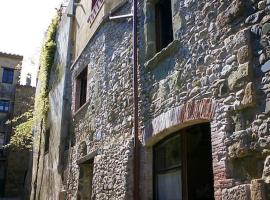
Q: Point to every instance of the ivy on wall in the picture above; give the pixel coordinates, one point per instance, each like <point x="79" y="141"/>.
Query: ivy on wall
<point x="22" y="137"/>
<point x="46" y="62"/>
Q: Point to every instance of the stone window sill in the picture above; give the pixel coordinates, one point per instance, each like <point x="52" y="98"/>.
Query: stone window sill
<point x="87" y="158"/>
<point x="163" y="54"/>
<point x="81" y="108"/>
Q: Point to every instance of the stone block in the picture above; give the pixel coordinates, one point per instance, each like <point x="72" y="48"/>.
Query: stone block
<point x="249" y="95"/>
<point x="265" y="19"/>
<point x="257" y="189"/>
<point x="240" y="39"/>
<point x="266" y="66"/>
<point x="233" y="11"/>
<point x="266" y="28"/>
<point x="266" y="170"/>
<point x="261" y="5"/>
<point x="241" y="192"/>
<point x="254" y="17"/>
<point x="243" y="54"/>
<point x="267" y="106"/>
<point x="240" y="76"/>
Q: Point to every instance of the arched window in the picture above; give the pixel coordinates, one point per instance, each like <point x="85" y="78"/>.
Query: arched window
<point x="183" y="165"/>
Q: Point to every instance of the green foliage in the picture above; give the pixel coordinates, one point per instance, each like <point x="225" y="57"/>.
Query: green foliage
<point x="22" y="133"/>
<point x="22" y="137"/>
<point x="46" y="62"/>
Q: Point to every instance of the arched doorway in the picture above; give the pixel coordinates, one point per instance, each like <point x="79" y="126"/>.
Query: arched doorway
<point x="183" y="165"/>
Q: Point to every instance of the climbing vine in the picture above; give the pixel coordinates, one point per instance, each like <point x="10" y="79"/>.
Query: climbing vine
<point x="22" y="136"/>
<point x="46" y="62"/>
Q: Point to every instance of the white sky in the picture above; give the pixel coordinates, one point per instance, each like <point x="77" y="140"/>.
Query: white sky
<point x="22" y="27"/>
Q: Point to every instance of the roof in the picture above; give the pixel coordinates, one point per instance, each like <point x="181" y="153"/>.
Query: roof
<point x="16" y="56"/>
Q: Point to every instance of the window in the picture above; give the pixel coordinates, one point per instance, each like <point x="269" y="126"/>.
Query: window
<point x="85" y="180"/>
<point x="94" y="3"/>
<point x="176" y="161"/>
<point x="2" y="140"/>
<point x="168" y="169"/>
<point x="81" y="88"/>
<point x="164" y="29"/>
<point x="4" y="106"/>
<point x="7" y="75"/>
<point x="47" y="141"/>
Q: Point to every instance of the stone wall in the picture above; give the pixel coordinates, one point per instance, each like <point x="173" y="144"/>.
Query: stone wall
<point x="11" y="61"/>
<point x="102" y="127"/>
<point x="215" y="71"/>
<point x="87" y="20"/>
<point x="49" y="164"/>
<point x="7" y="92"/>
<point x="220" y="53"/>
<point x="17" y="169"/>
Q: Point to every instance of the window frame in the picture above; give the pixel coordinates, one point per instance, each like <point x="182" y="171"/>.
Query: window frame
<point x="81" y="88"/>
<point x="181" y="166"/>
<point x="6" y="104"/>
<point x="152" y="51"/>
<point x="6" y="78"/>
<point x="159" y="26"/>
<point x="187" y="136"/>
<point x="88" y="164"/>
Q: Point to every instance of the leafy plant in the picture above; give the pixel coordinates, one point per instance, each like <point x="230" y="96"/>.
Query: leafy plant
<point x="22" y="137"/>
<point x="22" y="132"/>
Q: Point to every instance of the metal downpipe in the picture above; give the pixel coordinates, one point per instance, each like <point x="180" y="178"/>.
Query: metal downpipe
<point x="136" y="169"/>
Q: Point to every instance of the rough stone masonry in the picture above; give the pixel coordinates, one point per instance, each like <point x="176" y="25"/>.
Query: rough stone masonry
<point x="216" y="70"/>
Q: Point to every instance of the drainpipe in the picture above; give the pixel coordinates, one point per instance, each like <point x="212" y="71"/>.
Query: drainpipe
<point x="136" y="160"/>
<point x="136" y="192"/>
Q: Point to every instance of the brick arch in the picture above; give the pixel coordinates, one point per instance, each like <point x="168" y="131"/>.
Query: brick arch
<point x="191" y="113"/>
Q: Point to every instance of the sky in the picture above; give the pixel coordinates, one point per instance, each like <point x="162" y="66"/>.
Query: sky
<point x="22" y="27"/>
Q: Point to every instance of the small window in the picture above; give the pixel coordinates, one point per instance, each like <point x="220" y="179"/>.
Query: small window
<point x="94" y="3"/>
<point x="4" y="106"/>
<point x="164" y="28"/>
<point x="81" y="88"/>
<point x="47" y="141"/>
<point x="7" y="75"/>
<point x="85" y="180"/>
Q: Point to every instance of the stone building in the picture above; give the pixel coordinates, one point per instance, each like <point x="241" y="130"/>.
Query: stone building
<point x="10" y="66"/>
<point x="18" y="160"/>
<point x="15" y="99"/>
<point x="203" y="102"/>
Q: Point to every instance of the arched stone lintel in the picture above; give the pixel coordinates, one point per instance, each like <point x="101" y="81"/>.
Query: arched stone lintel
<point x="191" y="113"/>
